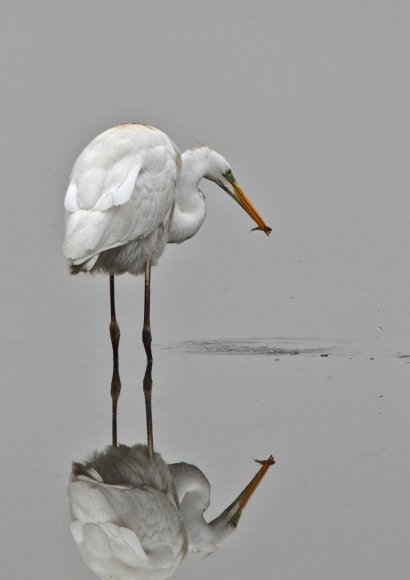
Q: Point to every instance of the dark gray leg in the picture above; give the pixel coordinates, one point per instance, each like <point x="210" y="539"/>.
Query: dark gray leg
<point x="147" y="339"/>
<point x="115" y="381"/>
<point x="148" y="408"/>
<point x="146" y="331"/>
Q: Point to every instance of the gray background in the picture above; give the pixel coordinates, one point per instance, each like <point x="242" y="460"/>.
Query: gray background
<point x="309" y="101"/>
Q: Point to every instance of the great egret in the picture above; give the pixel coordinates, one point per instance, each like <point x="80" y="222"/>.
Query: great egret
<point x="136" y="517"/>
<point x="131" y="193"/>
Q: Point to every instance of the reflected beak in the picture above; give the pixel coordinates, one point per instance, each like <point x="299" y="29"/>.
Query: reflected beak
<point x="243" y="498"/>
<point x="244" y="202"/>
<point x="250" y="489"/>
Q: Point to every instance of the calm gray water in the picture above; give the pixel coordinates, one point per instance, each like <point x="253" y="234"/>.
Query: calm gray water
<point x="296" y="345"/>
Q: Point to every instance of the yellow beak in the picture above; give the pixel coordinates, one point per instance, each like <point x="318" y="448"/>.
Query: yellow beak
<point x="244" y="202"/>
<point x="234" y="510"/>
<point x="250" y="489"/>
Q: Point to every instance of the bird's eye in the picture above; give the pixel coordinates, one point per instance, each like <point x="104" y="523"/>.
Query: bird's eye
<point x="234" y="525"/>
<point x="229" y="175"/>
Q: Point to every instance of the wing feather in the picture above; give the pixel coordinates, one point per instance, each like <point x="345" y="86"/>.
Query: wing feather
<point x="125" y="529"/>
<point x="122" y="188"/>
<point x="111" y="551"/>
<point x="117" y="193"/>
<point x="70" y="200"/>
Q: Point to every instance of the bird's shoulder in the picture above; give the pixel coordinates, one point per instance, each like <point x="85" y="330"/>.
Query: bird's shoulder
<point x="124" y="161"/>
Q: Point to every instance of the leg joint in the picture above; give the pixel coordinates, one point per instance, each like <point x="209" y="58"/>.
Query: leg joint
<point x="114" y="331"/>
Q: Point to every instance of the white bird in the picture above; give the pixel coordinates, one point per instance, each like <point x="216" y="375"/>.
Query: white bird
<point x="135" y="517"/>
<point x="131" y="193"/>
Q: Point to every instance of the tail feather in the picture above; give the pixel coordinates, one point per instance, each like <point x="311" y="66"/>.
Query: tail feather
<point x="77" y="266"/>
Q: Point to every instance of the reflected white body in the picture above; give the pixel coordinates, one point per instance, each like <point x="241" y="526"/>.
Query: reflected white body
<point x="136" y="518"/>
<point x="125" y="516"/>
<point x="131" y="192"/>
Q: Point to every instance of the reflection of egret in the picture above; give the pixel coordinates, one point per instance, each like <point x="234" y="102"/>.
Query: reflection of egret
<point x="133" y="517"/>
<point x="130" y="193"/>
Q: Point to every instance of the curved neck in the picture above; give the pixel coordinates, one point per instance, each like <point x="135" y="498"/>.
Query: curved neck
<point x="203" y="536"/>
<point x="193" y="492"/>
<point x="195" y="165"/>
<point x="189" y="211"/>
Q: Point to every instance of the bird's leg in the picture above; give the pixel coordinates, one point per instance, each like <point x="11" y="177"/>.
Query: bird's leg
<point x="148" y="408"/>
<point x="147" y="339"/>
<point x="115" y="381"/>
<point x="146" y="331"/>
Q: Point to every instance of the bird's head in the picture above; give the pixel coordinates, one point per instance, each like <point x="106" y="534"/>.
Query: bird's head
<point x="220" y="172"/>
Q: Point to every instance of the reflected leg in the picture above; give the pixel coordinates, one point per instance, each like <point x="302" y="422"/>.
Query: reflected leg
<point x="115" y="381"/>
<point x="148" y="408"/>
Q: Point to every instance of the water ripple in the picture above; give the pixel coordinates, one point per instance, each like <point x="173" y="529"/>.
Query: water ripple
<point x="267" y="347"/>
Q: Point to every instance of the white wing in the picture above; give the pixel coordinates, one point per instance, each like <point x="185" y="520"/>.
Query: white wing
<point x="121" y="530"/>
<point x="122" y="187"/>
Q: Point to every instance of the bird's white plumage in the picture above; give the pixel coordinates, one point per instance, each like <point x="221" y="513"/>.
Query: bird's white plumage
<point x="122" y="190"/>
<point x="133" y="517"/>
<point x="131" y="192"/>
<point x="132" y="528"/>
